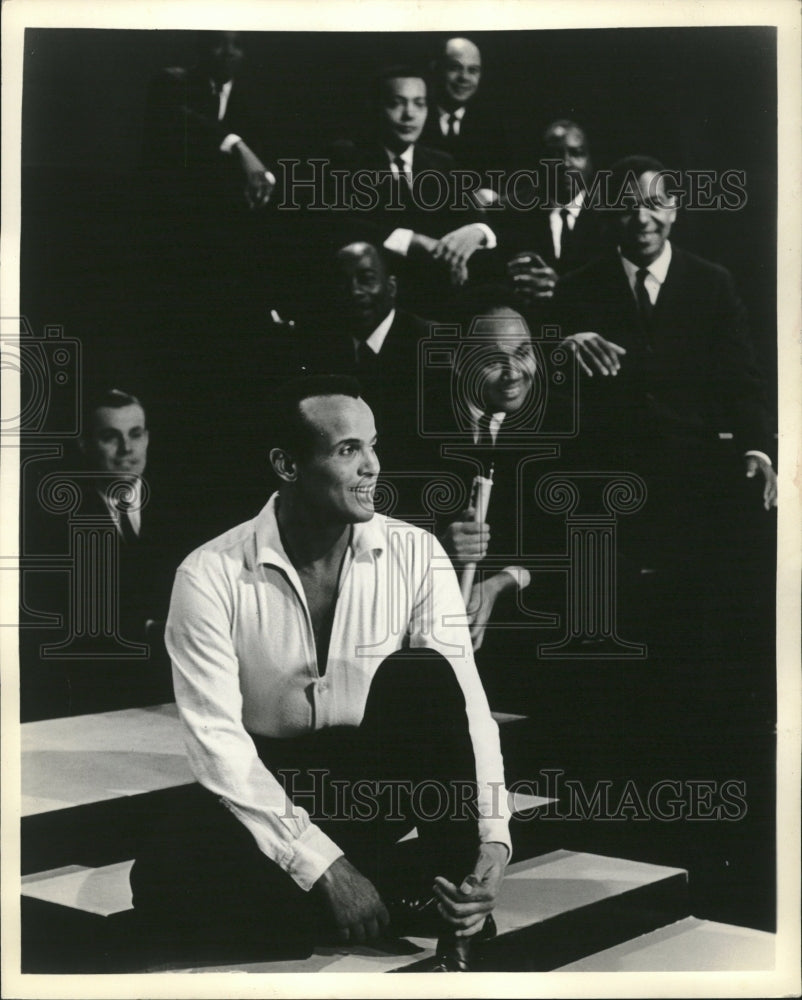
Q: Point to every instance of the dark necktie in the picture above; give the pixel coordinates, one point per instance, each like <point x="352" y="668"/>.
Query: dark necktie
<point x="485" y="437"/>
<point x="126" y="527"/>
<point x="403" y="181"/>
<point x="565" y="233"/>
<point x="451" y="126"/>
<point x="645" y="307"/>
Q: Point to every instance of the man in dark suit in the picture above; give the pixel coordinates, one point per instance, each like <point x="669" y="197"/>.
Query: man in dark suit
<point x="409" y="192"/>
<point x="661" y="337"/>
<point x="197" y="122"/>
<point x="124" y="549"/>
<point x="114" y="445"/>
<point x="459" y="122"/>
<point x="564" y="234"/>
<point x="489" y="411"/>
<point x="367" y="336"/>
<point x="203" y="261"/>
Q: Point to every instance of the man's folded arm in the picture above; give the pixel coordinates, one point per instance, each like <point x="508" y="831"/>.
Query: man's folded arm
<point x="222" y="755"/>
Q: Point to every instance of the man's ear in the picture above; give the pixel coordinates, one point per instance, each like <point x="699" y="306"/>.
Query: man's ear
<point x="392" y="287"/>
<point x="283" y="465"/>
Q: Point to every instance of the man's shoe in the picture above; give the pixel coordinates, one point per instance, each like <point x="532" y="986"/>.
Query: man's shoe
<point x="454" y="953"/>
<point x="415" y="916"/>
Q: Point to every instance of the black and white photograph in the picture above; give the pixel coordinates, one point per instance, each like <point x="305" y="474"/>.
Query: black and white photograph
<point x="401" y="499"/>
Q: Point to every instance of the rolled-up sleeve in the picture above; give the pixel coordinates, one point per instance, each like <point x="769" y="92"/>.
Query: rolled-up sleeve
<point x="222" y="755"/>
<point x="439" y="622"/>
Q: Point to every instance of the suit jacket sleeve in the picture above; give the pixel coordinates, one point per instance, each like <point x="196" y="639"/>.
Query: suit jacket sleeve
<point x="736" y="380"/>
<point x="174" y="129"/>
<point x="180" y="131"/>
<point x="368" y="192"/>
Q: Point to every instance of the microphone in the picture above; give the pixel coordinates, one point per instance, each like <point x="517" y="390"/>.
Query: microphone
<point x="480" y="498"/>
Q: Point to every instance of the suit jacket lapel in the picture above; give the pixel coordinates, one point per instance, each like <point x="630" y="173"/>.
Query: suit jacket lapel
<point x="671" y="293"/>
<point x="624" y="299"/>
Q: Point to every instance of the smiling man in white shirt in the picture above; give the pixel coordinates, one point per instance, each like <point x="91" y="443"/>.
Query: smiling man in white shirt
<point x="321" y="638"/>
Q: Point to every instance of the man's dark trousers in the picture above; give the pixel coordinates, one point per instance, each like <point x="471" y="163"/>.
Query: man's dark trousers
<point x="201" y="883"/>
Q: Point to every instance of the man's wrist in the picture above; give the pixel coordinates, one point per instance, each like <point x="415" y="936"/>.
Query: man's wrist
<point x="230" y="143"/>
<point x="326" y="877"/>
<point x="489" y="241"/>
<point x="496" y="847"/>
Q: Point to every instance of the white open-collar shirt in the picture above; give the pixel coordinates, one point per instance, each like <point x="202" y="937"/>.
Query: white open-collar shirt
<point x="240" y="637"/>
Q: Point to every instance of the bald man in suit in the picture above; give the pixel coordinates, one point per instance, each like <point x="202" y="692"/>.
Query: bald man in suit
<point x="460" y="122"/>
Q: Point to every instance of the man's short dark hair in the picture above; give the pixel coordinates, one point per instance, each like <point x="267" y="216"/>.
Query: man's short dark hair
<point x="567" y="124"/>
<point x="482" y="300"/>
<point x="628" y="167"/>
<point x="353" y="231"/>
<point x="288" y="429"/>
<point x="395" y="72"/>
<point x="114" y="399"/>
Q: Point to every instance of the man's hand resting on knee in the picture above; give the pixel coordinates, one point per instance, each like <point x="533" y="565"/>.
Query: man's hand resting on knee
<point x="355" y="905"/>
<point x="466" y="908"/>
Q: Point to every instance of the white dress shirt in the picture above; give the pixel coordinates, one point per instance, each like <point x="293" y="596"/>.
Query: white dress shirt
<point x="656" y="273"/>
<point x="240" y="636"/>
<point x="496" y="420"/>
<point x="556" y="221"/>
<point x="653" y="283"/>
<point x="376" y="340"/>
<point x="399" y="239"/>
<point x="223" y="95"/>
<point x="444" y="118"/>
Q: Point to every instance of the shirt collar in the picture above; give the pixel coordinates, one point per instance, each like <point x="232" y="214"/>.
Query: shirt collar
<point x="406" y="156"/>
<point x="476" y="413"/>
<point x="376" y="340"/>
<point x="658" y="268"/>
<point x="367" y="538"/>
<point x="574" y="207"/>
<point x="458" y="113"/>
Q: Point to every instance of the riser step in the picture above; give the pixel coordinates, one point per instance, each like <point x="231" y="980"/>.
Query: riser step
<point x="551" y="910"/>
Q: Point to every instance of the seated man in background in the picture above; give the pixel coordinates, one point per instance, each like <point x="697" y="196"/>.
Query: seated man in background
<point x="409" y="192"/>
<point x="115" y="599"/>
<point x="198" y="125"/>
<point x="310" y="645"/>
<point x="366" y="335"/>
<point x="662" y="340"/>
<point x="566" y="233"/>
<point x="203" y="259"/>
<point x="460" y="123"/>
<point x="494" y="413"/>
